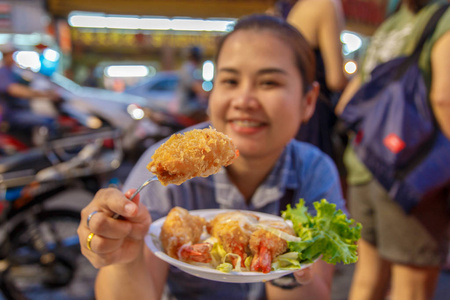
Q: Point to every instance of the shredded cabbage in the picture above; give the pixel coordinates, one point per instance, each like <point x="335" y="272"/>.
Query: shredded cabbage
<point x="279" y="233"/>
<point x="286" y="261"/>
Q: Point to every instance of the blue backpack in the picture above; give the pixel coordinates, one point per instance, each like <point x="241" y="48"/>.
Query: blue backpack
<point x="397" y="136"/>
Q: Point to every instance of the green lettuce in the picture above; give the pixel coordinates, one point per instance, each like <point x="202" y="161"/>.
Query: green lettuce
<point x="329" y="233"/>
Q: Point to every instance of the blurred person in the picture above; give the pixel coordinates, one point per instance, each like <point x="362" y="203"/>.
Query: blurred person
<point x="264" y="89"/>
<point x="281" y="8"/>
<point x="398" y="251"/>
<point x="192" y="96"/>
<point x="322" y="22"/>
<point x="16" y="96"/>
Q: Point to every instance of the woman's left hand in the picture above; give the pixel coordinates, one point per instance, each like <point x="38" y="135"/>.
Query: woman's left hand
<point x="304" y="276"/>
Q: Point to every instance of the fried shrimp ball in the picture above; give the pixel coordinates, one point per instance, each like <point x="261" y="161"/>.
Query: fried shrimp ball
<point x="180" y="228"/>
<point x="194" y="153"/>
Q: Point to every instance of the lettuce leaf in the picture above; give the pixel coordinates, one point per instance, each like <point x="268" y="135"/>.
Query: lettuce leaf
<point x="329" y="233"/>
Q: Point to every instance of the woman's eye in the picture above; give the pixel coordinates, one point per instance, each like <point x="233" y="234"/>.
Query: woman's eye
<point x="229" y="81"/>
<point x="268" y="83"/>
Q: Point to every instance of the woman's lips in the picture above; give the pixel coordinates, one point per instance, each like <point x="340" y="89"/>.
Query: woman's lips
<point x="247" y="126"/>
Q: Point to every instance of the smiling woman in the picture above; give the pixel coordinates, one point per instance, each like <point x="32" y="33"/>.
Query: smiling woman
<point x="263" y="91"/>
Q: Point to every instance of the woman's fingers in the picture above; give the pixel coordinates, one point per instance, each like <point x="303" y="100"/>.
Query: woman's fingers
<point x="105" y="240"/>
<point x="304" y="276"/>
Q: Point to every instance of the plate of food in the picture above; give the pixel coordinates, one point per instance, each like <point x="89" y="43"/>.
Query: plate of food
<point x="192" y="241"/>
<point x="246" y="246"/>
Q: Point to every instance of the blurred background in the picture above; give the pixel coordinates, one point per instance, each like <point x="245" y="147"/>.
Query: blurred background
<point x="116" y="67"/>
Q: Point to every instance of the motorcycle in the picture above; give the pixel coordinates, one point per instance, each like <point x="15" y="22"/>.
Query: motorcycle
<point x="40" y="254"/>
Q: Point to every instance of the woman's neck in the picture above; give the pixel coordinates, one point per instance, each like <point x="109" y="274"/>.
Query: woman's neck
<point x="247" y="174"/>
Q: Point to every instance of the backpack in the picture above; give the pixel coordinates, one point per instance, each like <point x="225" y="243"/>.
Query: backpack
<point x="397" y="137"/>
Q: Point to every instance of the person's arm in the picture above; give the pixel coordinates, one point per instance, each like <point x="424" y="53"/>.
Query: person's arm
<point x="351" y="88"/>
<point x="440" y="87"/>
<point x="329" y="32"/>
<point x="315" y="284"/>
<point x="321" y="23"/>
<point x="22" y="91"/>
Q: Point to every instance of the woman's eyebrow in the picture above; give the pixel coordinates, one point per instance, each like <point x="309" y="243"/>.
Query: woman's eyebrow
<point x="260" y="72"/>
<point x="228" y="70"/>
<point x="272" y="70"/>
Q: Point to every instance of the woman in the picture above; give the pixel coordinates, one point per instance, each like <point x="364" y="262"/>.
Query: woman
<point x="264" y="89"/>
<point x="321" y="23"/>
<point x="397" y="251"/>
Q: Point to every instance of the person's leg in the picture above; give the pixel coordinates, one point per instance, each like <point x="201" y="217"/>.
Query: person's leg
<point x="371" y="276"/>
<point x="414" y="283"/>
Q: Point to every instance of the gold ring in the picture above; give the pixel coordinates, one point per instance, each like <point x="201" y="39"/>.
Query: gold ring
<point x="89" y="239"/>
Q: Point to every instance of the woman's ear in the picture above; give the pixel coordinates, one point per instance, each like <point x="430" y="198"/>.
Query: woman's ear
<point x="309" y="101"/>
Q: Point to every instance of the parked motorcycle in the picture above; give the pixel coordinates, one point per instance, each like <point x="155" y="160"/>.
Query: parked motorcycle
<point x="40" y="254"/>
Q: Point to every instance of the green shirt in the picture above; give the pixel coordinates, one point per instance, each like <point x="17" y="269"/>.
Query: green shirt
<point x="397" y="36"/>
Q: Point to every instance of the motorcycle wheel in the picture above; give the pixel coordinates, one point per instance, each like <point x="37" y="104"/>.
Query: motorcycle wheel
<point x="62" y="272"/>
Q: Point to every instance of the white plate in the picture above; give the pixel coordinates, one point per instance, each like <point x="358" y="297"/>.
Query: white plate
<point x="153" y="242"/>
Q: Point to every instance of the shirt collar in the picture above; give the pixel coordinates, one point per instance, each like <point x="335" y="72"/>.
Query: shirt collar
<point x="282" y="176"/>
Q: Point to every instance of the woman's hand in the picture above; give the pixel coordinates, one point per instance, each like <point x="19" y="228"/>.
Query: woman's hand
<point x="105" y="240"/>
<point x="304" y="276"/>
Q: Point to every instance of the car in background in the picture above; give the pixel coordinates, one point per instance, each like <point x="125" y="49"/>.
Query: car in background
<point x="162" y="100"/>
<point x="159" y="91"/>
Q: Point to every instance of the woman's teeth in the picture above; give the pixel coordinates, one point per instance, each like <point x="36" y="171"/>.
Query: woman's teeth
<point x="247" y="123"/>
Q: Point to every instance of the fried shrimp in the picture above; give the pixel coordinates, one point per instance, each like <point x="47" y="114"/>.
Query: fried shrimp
<point x="233" y="231"/>
<point x="265" y="245"/>
<point x="179" y="230"/>
<point x="194" y="153"/>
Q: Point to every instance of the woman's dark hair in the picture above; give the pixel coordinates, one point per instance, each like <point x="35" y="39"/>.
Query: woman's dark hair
<point x="300" y="47"/>
<point x="415" y="5"/>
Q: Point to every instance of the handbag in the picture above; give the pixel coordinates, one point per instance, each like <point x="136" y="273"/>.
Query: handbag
<point x="397" y="136"/>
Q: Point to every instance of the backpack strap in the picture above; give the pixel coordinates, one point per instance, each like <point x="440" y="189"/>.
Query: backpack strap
<point x="427" y="32"/>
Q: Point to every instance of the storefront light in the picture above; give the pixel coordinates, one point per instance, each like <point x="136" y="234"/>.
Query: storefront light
<point x="28" y="60"/>
<point x="350" y="67"/>
<point x="90" y="20"/>
<point x="126" y="71"/>
<point x="351" y="42"/>
<point x="208" y="70"/>
<point x="51" y="55"/>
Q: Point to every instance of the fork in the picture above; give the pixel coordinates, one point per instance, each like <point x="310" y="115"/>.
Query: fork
<point x="151" y="179"/>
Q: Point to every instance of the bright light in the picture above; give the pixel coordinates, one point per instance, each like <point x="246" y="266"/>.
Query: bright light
<point x="126" y="71"/>
<point x="351" y="41"/>
<point x="135" y="111"/>
<point x="51" y="55"/>
<point x="89" y="20"/>
<point x="207" y="86"/>
<point x="350" y="67"/>
<point x="208" y="70"/>
<point x="28" y="59"/>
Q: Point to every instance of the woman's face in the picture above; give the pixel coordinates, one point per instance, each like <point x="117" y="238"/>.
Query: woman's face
<point x="257" y="95"/>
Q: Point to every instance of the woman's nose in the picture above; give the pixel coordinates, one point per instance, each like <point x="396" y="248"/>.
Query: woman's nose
<point x="246" y="98"/>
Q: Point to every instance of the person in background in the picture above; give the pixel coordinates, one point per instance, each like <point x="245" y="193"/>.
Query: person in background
<point x="321" y="22"/>
<point x="16" y="96"/>
<point x="397" y="251"/>
<point x="192" y="96"/>
<point x="264" y="89"/>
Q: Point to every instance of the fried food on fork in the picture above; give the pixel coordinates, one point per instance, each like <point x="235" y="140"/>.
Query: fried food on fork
<point x="265" y="245"/>
<point x="194" y="153"/>
<point x="180" y="230"/>
<point x="233" y="231"/>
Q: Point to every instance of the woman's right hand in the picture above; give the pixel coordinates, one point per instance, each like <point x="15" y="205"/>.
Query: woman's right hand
<point x="113" y="241"/>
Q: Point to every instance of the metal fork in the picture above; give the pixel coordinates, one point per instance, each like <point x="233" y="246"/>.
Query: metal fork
<point x="151" y="179"/>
